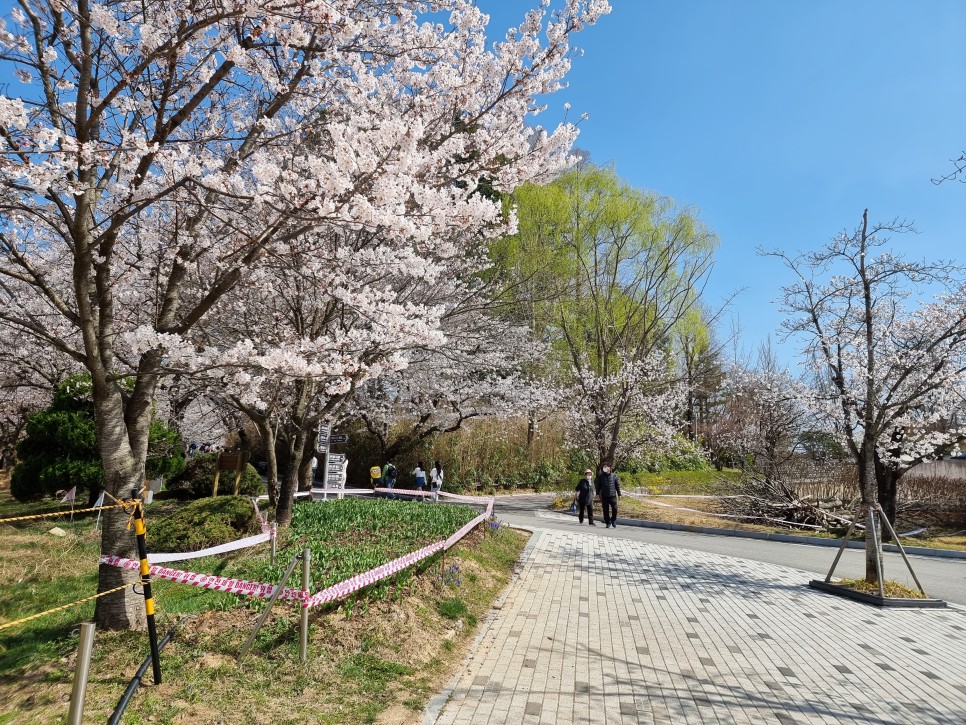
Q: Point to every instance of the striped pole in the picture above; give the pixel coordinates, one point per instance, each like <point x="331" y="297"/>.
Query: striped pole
<point x="140" y="531"/>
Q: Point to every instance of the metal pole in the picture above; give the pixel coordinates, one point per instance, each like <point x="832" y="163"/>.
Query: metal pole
<point x="274" y="540"/>
<point x="895" y="537"/>
<point x="845" y="542"/>
<point x="306" y="571"/>
<point x="140" y="531"/>
<point x="85" y="644"/>
<point x="870" y="515"/>
<point x="268" y="607"/>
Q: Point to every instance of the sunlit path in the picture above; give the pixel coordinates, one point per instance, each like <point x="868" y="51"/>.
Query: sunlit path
<point x="602" y="629"/>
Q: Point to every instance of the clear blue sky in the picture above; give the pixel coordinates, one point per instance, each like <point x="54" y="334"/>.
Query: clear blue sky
<point x="780" y="120"/>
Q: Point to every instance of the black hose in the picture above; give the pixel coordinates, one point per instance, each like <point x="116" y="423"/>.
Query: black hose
<point x="133" y="684"/>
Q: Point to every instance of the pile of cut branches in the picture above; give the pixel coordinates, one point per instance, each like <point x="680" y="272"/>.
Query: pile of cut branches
<point x="775" y="501"/>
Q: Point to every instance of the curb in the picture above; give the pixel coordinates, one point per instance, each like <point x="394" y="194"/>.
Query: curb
<point x="786" y="538"/>
<point x="435" y="706"/>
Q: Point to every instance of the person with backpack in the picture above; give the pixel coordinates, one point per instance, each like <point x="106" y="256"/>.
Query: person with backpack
<point x="585" y="497"/>
<point x="420" y="475"/>
<point x="389" y="477"/>
<point x="436" y="480"/>
<point x="375" y="477"/>
<point x="608" y="487"/>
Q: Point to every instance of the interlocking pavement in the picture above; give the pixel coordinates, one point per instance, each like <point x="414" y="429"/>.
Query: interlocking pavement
<point x="600" y="629"/>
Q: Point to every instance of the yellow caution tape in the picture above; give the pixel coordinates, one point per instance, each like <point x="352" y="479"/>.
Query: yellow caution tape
<point x="58" y="513"/>
<point x="65" y="606"/>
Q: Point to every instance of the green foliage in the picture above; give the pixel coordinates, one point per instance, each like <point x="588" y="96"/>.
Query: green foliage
<point x="821" y="445"/>
<point x="165" y="452"/>
<point x="703" y="482"/>
<point x="452" y="608"/>
<point x="346" y="537"/>
<point x="374" y="672"/>
<point x="204" y="523"/>
<point x="683" y="455"/>
<point x="60" y="448"/>
<point x="197" y="480"/>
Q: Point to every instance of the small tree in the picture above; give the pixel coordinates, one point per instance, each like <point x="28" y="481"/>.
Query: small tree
<point x="888" y="378"/>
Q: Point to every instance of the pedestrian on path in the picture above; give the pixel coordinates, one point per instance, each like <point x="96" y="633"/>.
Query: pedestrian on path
<point x="609" y="489"/>
<point x="389" y="477"/>
<point x="375" y="478"/>
<point x="419" y="473"/>
<point x="436" y="480"/>
<point x="585" y="497"/>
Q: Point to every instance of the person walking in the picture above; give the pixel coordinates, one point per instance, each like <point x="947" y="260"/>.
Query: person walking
<point x="375" y="477"/>
<point x="608" y="487"/>
<point x="436" y="480"/>
<point x="419" y="473"/>
<point x="585" y="497"/>
<point x="389" y="477"/>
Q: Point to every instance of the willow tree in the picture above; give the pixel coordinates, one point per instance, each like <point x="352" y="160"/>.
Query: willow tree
<point x="607" y="273"/>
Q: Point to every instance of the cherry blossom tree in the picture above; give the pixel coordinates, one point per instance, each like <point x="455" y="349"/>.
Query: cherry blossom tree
<point x="889" y="375"/>
<point x="765" y="414"/>
<point x="163" y="149"/>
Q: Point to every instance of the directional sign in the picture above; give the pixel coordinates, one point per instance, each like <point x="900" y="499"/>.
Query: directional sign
<point x="339" y="438"/>
<point x="322" y="440"/>
<point x="335" y="473"/>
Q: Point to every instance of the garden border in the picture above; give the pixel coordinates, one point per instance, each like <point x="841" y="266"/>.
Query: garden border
<point x="329" y="594"/>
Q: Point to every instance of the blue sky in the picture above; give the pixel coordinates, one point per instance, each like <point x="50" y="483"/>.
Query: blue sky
<point x="781" y="121"/>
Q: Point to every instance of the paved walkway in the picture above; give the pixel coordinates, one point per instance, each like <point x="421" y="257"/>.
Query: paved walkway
<point x="600" y="629"/>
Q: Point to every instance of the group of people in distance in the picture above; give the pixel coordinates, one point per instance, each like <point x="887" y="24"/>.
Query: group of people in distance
<point x="608" y="486"/>
<point x="385" y="477"/>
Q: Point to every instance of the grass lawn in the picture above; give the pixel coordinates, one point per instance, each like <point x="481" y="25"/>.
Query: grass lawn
<point x="376" y="657"/>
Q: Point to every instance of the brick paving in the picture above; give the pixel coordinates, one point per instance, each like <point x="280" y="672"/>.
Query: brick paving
<point x="600" y="629"/>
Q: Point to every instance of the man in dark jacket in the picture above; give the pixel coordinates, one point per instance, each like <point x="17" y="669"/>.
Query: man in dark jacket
<point x="609" y="489"/>
<point x="585" y="497"/>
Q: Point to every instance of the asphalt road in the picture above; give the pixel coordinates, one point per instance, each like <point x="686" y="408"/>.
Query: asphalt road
<point x="941" y="578"/>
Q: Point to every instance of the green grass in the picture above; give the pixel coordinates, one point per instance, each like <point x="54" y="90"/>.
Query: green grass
<point x="351" y="676"/>
<point x="452" y="608"/>
<point x="708" y="482"/>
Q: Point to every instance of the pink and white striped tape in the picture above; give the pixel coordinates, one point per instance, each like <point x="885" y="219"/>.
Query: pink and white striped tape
<point x="210" y="581"/>
<point x="337" y="591"/>
<point x="329" y="594"/>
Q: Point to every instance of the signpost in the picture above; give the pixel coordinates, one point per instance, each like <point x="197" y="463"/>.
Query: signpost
<point x="334" y="471"/>
<point x="234" y="461"/>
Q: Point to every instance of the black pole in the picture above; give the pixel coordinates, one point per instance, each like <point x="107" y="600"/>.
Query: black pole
<point x="140" y="530"/>
<point x="133" y="684"/>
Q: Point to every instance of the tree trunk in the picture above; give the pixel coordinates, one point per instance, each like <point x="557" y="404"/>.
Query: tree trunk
<point x="887" y="485"/>
<point x="122" y="455"/>
<point x="271" y="460"/>
<point x="868" y="487"/>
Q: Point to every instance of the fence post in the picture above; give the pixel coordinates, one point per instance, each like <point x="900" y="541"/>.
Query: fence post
<point x="140" y="531"/>
<point x="306" y="571"/>
<point x="274" y="534"/>
<point x="268" y="607"/>
<point x="85" y="644"/>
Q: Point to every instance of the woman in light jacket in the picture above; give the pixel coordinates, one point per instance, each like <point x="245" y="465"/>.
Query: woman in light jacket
<point x="436" y="479"/>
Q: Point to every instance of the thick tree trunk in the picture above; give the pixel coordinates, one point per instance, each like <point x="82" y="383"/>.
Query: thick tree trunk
<point x="123" y="448"/>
